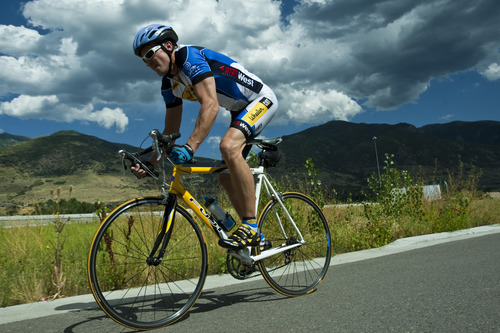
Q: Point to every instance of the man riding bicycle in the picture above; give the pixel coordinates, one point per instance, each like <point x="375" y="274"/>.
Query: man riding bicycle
<point x="214" y="80"/>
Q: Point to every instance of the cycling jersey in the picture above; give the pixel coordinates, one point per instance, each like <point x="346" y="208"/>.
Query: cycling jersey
<point x="236" y="87"/>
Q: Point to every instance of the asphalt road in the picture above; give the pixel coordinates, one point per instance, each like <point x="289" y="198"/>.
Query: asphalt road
<point x="451" y="284"/>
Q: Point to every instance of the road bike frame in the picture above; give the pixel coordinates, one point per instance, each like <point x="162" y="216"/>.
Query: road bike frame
<point x="179" y="191"/>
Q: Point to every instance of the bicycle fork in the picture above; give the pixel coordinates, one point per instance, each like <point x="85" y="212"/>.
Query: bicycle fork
<point x="165" y="232"/>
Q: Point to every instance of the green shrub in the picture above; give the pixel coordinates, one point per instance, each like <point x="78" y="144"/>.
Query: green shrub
<point x="392" y="196"/>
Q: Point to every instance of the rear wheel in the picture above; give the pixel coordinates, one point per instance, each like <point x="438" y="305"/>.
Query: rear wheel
<point x="300" y="270"/>
<point x="144" y="294"/>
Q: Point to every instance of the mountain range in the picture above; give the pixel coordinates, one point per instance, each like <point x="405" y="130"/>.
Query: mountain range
<point x="346" y="153"/>
<point x="343" y="153"/>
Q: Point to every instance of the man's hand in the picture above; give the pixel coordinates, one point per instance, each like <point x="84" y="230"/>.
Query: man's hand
<point x="139" y="172"/>
<point x="180" y="155"/>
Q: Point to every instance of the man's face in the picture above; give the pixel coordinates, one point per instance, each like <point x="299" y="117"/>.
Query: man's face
<point x="159" y="61"/>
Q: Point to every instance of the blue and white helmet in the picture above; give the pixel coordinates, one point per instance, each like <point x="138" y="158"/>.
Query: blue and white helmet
<point x="157" y="33"/>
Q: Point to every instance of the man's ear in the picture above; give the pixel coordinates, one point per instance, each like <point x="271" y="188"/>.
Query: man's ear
<point x="169" y="45"/>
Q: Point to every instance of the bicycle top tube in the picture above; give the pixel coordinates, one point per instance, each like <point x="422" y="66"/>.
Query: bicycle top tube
<point x="198" y="169"/>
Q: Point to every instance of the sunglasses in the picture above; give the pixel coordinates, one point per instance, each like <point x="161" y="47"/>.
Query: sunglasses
<point x="151" y="53"/>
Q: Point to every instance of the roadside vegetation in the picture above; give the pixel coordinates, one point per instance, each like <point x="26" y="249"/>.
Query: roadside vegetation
<point x="44" y="262"/>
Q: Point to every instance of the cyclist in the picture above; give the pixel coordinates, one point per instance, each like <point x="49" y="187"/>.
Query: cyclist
<point x="214" y="80"/>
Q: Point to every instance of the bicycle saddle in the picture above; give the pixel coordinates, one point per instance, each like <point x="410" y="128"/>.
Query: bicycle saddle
<point x="266" y="144"/>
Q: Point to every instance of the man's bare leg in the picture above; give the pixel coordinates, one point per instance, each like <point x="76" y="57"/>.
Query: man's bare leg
<point x="240" y="187"/>
<point x="239" y="183"/>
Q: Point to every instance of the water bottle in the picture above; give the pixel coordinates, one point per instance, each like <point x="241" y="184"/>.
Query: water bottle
<point x="225" y="220"/>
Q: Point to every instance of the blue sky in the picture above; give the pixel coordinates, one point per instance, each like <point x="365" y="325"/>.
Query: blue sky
<point x="69" y="64"/>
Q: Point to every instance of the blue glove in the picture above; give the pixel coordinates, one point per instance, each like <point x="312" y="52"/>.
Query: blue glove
<point x="180" y="155"/>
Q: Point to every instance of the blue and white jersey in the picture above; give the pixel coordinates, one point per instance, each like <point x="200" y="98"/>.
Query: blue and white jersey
<point x="236" y="87"/>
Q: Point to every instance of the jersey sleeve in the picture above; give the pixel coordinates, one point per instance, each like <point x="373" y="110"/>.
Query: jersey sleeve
<point x="168" y="94"/>
<point x="193" y="63"/>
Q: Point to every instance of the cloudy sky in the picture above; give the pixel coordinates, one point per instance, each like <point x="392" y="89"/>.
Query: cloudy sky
<point x="68" y="64"/>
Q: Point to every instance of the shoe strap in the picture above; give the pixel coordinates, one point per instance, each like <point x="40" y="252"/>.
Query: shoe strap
<point x="242" y="232"/>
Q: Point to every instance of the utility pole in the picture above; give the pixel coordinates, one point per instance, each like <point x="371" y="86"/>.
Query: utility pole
<point x="376" y="156"/>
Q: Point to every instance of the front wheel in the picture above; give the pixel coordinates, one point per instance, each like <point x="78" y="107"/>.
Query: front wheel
<point x="141" y="293"/>
<point x="300" y="270"/>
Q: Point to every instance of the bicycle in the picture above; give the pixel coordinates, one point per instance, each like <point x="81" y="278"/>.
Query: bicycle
<point x="148" y="260"/>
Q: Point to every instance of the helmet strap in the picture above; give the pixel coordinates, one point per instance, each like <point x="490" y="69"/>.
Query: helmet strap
<point x="169" y="53"/>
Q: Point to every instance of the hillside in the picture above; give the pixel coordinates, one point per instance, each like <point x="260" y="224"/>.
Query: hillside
<point x="343" y="152"/>
<point x="30" y="169"/>
<point x="7" y="139"/>
<point x="62" y="153"/>
<point x="485" y="132"/>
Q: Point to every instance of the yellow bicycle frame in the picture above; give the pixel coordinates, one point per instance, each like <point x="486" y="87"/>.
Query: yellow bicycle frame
<point x="179" y="190"/>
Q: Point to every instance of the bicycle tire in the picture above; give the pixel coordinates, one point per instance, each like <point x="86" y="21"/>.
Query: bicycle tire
<point x="126" y="288"/>
<point x="301" y="270"/>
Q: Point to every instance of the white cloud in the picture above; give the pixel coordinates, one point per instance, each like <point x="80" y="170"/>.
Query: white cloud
<point x="313" y="106"/>
<point x="26" y="106"/>
<point x="447" y="117"/>
<point x="214" y="141"/>
<point x="18" y="40"/>
<point x="109" y="117"/>
<point x="73" y="59"/>
<point x="492" y="73"/>
<point x="41" y="73"/>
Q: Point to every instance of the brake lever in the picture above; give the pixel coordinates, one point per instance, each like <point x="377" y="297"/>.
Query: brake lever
<point x="156" y="146"/>
<point x="124" y="158"/>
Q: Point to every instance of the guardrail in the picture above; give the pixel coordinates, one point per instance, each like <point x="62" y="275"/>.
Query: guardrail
<point x="22" y="220"/>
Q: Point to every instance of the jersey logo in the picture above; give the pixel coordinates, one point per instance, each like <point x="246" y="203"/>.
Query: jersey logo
<point x="245" y="79"/>
<point x="243" y="127"/>
<point x="238" y="76"/>
<point x="229" y="71"/>
<point x="257" y="111"/>
<point x="188" y="94"/>
<point x="191" y="70"/>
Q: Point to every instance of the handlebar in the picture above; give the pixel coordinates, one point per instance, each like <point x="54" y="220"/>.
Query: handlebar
<point x="159" y="141"/>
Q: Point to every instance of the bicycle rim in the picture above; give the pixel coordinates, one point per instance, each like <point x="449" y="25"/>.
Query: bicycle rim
<point x="298" y="271"/>
<point x="130" y="291"/>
